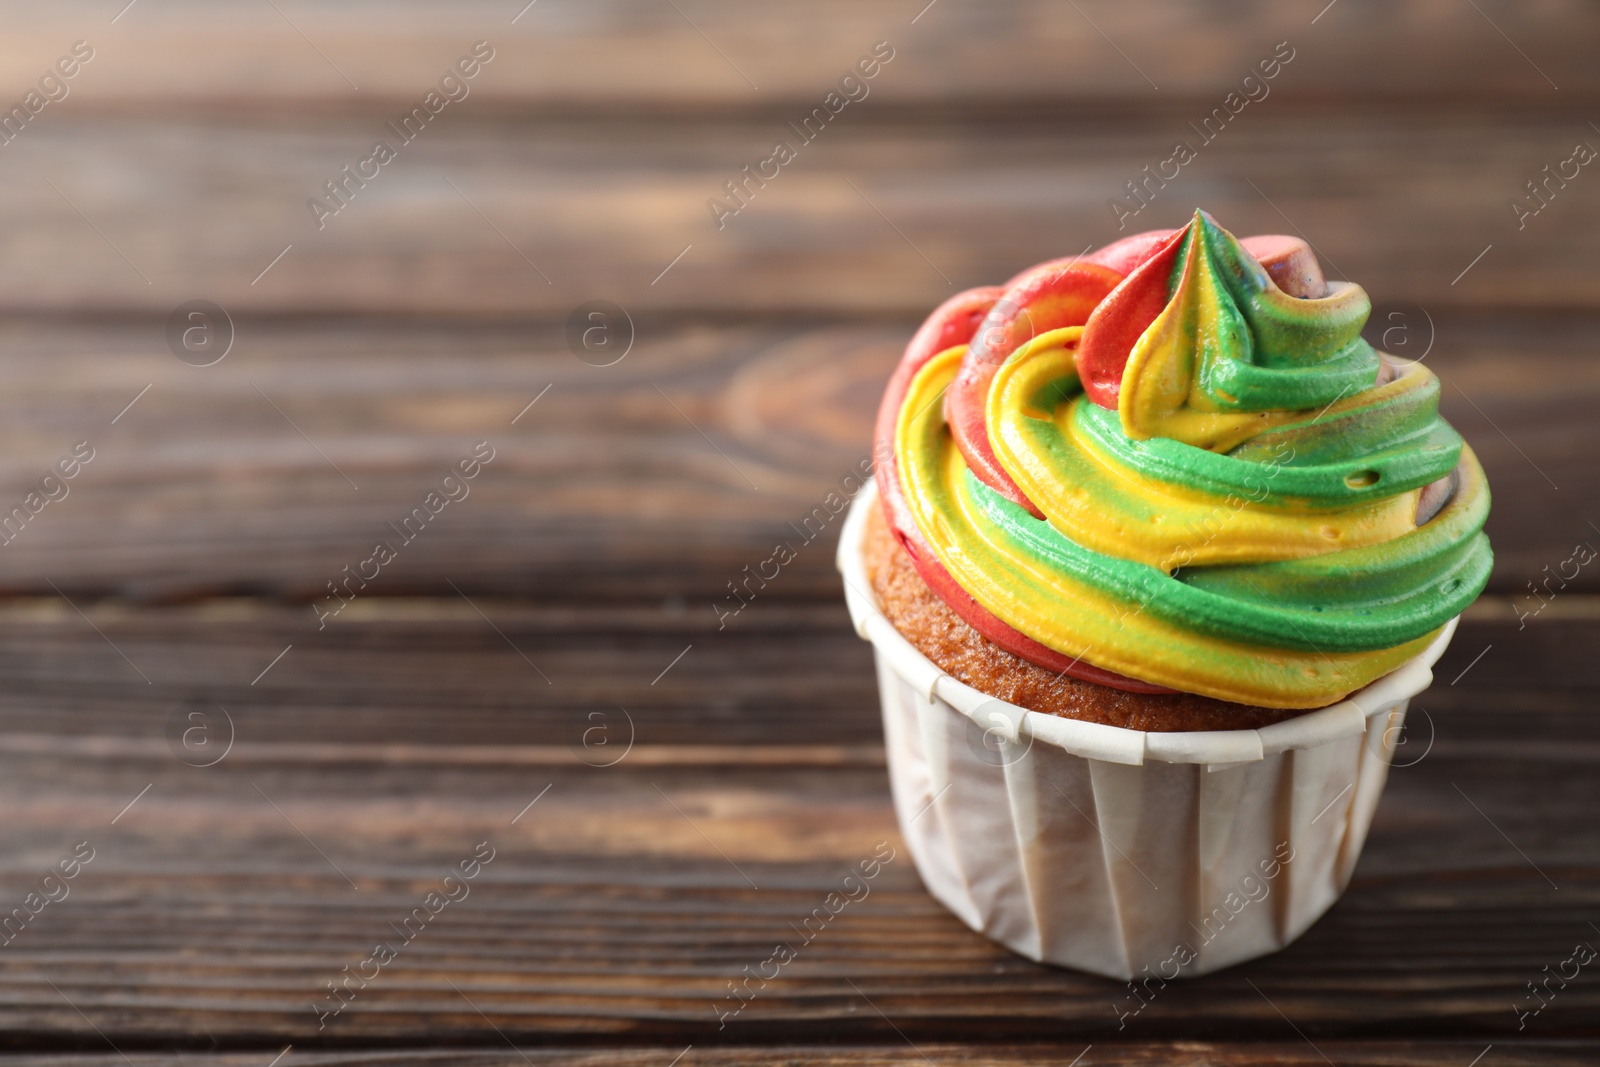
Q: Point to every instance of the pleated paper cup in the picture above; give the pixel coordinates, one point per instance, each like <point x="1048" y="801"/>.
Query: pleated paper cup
<point x="1120" y="852"/>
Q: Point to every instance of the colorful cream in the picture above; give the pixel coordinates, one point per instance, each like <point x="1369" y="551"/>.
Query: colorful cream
<point x="1175" y="464"/>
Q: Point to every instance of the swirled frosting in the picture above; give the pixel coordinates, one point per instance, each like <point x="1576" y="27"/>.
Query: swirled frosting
<point x="1175" y="464"/>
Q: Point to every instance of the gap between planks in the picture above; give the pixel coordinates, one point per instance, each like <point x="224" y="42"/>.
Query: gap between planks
<point x="647" y="615"/>
<point x="350" y="753"/>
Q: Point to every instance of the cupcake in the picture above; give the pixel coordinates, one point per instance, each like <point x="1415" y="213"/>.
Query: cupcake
<point x="1158" y="550"/>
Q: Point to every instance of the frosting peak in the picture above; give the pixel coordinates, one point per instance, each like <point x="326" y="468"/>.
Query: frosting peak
<point x="1199" y="344"/>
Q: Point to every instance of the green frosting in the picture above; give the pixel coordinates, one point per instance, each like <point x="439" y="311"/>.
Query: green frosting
<point x="1349" y="601"/>
<point x="1388" y="445"/>
<point x="1263" y="350"/>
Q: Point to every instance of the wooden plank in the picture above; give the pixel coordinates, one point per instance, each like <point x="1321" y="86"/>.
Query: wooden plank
<point x="608" y="912"/>
<point x="621" y="902"/>
<point x="519" y="218"/>
<point x="394" y="681"/>
<point x="422" y="675"/>
<point x="1166" y="1054"/>
<point x="369" y="54"/>
<point x="630" y="482"/>
<point x="581" y="576"/>
<point x="616" y="466"/>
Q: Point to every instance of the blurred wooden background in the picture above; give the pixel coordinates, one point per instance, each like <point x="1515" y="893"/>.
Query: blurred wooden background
<point x="578" y="577"/>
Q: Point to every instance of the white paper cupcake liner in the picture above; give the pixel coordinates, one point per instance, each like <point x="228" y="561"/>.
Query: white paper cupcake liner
<point x="1120" y="852"/>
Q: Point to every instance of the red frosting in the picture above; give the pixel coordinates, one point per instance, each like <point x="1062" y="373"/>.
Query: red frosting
<point x="1045" y="298"/>
<point x="1122" y="318"/>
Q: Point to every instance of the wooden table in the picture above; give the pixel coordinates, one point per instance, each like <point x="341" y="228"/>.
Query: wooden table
<point x="542" y="669"/>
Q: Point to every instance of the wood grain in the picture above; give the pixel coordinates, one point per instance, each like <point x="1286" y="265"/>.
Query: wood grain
<point x="875" y="216"/>
<point x="432" y="673"/>
<point x="570" y="599"/>
<point x="1558" y="1053"/>
<point x="629" y="481"/>
<point x="622" y="54"/>
<point x="620" y="904"/>
<point x="790" y="678"/>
